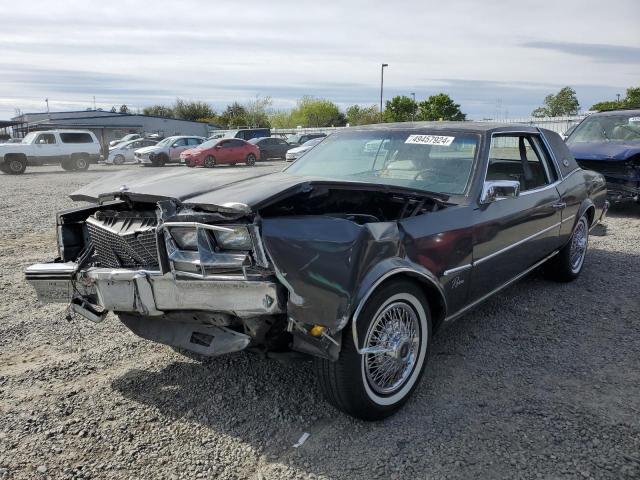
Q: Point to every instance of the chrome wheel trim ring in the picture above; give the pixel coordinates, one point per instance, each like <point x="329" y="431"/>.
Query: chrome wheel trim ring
<point x="401" y="388"/>
<point x="81" y="163"/>
<point x="578" y="248"/>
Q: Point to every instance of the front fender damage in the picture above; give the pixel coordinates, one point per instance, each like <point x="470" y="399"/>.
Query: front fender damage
<point x="322" y="261"/>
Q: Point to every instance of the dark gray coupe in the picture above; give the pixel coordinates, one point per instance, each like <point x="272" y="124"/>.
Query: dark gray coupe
<point x="354" y="255"/>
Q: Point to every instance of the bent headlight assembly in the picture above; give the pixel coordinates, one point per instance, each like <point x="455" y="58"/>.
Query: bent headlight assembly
<point x="185" y="237"/>
<point x="235" y="238"/>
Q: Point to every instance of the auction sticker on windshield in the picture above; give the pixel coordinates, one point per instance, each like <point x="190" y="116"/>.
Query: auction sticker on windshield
<point x="430" y="140"/>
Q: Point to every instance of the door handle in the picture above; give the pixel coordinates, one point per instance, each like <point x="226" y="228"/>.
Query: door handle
<point x="559" y="205"/>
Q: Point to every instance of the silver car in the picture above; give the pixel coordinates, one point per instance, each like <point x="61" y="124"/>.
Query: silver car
<point x="295" y="153"/>
<point x="124" y="152"/>
<point x="167" y="150"/>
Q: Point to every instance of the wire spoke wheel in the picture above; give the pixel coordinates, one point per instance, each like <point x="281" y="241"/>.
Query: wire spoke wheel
<point x="578" y="246"/>
<point x="393" y="343"/>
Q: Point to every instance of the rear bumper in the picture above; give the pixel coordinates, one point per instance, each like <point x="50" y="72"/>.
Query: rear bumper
<point x="150" y="293"/>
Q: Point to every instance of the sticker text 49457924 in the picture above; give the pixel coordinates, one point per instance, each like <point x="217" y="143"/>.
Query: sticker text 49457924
<point x="430" y="140"/>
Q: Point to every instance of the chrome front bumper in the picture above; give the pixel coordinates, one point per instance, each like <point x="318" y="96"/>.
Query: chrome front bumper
<point x="151" y="293"/>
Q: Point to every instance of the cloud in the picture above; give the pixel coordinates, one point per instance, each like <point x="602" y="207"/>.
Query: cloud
<point x="482" y="53"/>
<point x="598" y="52"/>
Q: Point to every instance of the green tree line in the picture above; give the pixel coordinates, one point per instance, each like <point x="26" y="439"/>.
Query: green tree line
<point x="565" y="102"/>
<point x="310" y="112"/>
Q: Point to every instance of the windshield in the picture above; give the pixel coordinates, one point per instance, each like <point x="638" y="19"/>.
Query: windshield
<point x="604" y="128"/>
<point x="29" y="137"/>
<point x="436" y="161"/>
<point x="293" y="138"/>
<point x="208" y="143"/>
<point x="165" y="142"/>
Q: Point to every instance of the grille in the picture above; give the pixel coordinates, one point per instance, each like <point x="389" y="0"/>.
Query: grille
<point x="124" y="239"/>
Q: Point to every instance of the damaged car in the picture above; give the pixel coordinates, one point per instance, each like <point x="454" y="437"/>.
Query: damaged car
<point x="609" y="142"/>
<point x="354" y="256"/>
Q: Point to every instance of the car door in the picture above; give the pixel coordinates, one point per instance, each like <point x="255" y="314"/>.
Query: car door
<point x="237" y="151"/>
<point x="177" y="147"/>
<point x="223" y="152"/>
<point x="513" y="233"/>
<point x="281" y="148"/>
<point x="132" y="147"/>
<point x="47" y="148"/>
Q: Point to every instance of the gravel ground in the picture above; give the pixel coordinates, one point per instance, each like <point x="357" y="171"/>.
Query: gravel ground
<point x="542" y="381"/>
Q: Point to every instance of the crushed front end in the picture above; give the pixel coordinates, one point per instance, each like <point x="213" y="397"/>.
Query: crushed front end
<point x="194" y="280"/>
<point x="622" y="176"/>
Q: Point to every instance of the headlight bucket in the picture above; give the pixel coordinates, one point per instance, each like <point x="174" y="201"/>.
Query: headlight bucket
<point x="237" y="238"/>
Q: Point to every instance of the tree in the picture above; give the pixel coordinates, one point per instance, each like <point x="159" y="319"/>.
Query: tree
<point x="113" y="109"/>
<point x="190" y="110"/>
<point x="124" y="109"/>
<point x="440" y="107"/>
<point x="565" y="102"/>
<point x="256" y="112"/>
<point x="281" y="119"/>
<point x="631" y="100"/>
<point x="317" y="112"/>
<point x="234" y="116"/>
<point x="400" y="109"/>
<point x="158" y="111"/>
<point x="357" y="115"/>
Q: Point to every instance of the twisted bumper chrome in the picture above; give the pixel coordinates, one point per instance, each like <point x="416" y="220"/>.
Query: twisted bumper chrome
<point x="152" y="293"/>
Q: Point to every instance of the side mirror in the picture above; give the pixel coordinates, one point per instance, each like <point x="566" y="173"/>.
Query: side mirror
<point x="498" y="190"/>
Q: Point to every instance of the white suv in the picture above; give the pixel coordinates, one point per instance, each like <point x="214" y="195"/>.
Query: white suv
<point x="72" y="149"/>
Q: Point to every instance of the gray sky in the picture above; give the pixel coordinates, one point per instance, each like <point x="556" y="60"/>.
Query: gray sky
<point x="491" y="56"/>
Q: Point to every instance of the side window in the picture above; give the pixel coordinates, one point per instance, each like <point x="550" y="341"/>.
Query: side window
<point x="236" y="143"/>
<point x="181" y="142"/>
<point x="76" y="138"/>
<point x="46" y="139"/>
<point x="225" y="144"/>
<point x="522" y="158"/>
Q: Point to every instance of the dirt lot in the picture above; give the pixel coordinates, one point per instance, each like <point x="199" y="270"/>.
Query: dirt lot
<point x="542" y="381"/>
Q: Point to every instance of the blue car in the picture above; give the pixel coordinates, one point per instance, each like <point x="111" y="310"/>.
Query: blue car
<point x="609" y="143"/>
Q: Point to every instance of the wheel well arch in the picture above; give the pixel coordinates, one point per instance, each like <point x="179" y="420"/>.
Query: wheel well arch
<point x="17" y="156"/>
<point x="425" y="281"/>
<point x="79" y="155"/>
<point x="590" y="212"/>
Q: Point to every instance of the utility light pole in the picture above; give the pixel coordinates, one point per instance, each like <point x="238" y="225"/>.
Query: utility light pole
<point x="413" y="113"/>
<point x="382" y="85"/>
<point x="618" y="95"/>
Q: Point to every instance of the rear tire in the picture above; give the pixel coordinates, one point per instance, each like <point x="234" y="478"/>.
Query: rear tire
<point x="567" y="264"/>
<point x="395" y="318"/>
<point x="210" y="161"/>
<point x="118" y="160"/>
<point x="251" y="159"/>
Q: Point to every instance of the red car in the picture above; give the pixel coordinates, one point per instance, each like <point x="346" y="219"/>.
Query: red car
<point x="220" y="151"/>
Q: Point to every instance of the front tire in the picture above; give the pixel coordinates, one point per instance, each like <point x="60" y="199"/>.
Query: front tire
<point x="395" y="326"/>
<point x="15" y="165"/>
<point x="80" y="163"/>
<point x="118" y="160"/>
<point x="210" y="161"/>
<point x="567" y="264"/>
<point x="251" y="159"/>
